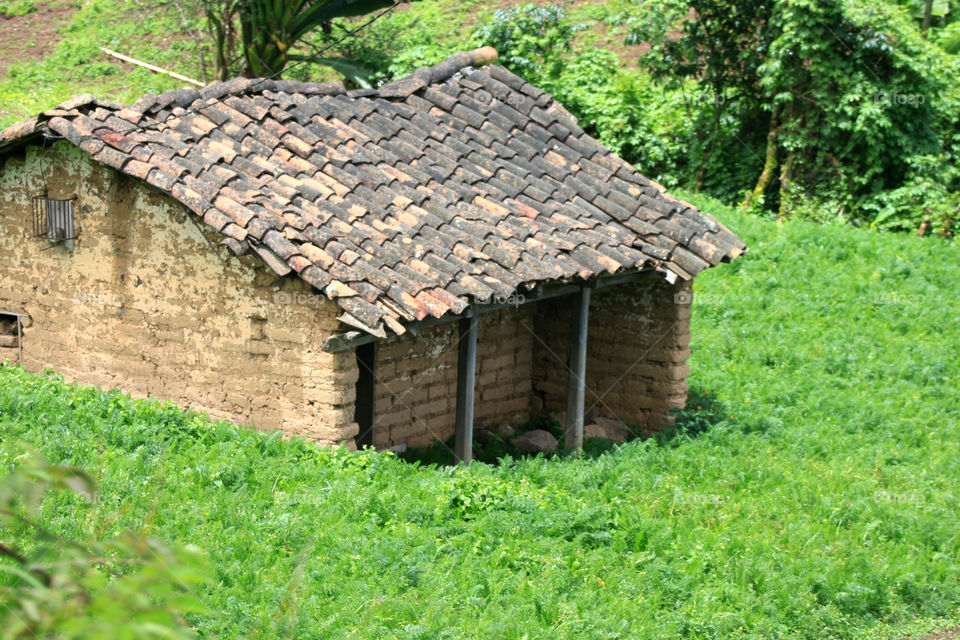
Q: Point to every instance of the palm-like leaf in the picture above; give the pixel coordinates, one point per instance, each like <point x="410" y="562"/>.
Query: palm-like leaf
<point x="270" y="28"/>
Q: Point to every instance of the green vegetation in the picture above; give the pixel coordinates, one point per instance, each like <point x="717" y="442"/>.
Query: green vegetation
<point x="14" y="8"/>
<point x="817" y="499"/>
<point x="75" y="64"/>
<point x="267" y="31"/>
<point x="810" y="490"/>
<point x="129" y="586"/>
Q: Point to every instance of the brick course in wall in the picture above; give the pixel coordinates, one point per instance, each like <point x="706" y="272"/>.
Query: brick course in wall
<point x="637" y="348"/>
<point x="417" y="379"/>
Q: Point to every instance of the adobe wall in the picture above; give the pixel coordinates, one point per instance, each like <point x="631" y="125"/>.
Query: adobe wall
<point x="637" y="348"/>
<point x="151" y="305"/>
<point x="416" y="387"/>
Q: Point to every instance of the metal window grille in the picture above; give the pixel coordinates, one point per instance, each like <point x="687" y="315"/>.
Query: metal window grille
<point x="53" y="220"/>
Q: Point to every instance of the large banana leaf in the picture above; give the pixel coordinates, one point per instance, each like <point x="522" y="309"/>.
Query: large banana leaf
<point x="349" y="69"/>
<point x="270" y="28"/>
<point x="949" y="38"/>
<point x="324" y="11"/>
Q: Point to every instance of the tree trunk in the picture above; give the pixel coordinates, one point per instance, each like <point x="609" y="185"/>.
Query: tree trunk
<point x="221" y="46"/>
<point x="785" y="175"/>
<point x="770" y="161"/>
<point x="709" y="142"/>
<point x="927" y="14"/>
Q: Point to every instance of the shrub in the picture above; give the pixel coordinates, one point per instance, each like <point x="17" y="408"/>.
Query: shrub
<point x="126" y="586"/>
<point x="531" y="40"/>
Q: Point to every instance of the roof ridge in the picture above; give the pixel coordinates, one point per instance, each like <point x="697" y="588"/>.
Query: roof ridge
<point x="150" y="104"/>
<point x="425" y="76"/>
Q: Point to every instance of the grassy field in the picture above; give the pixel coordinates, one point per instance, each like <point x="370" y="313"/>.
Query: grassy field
<point x="820" y="501"/>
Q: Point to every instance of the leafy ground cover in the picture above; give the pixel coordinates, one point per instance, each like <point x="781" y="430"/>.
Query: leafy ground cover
<point x="821" y="502"/>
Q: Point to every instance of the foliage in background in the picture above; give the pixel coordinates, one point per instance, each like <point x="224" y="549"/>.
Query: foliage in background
<point x="532" y="40"/>
<point x="55" y="584"/>
<point x="867" y="125"/>
<point x="848" y="94"/>
<point x="814" y="497"/>
<point x="13" y="8"/>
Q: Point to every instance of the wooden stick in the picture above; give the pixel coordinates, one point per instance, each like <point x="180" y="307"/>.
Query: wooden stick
<point x="151" y="67"/>
<point x="466" y="383"/>
<point x="573" y="429"/>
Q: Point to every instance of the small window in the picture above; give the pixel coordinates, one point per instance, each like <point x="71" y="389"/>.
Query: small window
<point x="11" y="333"/>
<point x="53" y="220"/>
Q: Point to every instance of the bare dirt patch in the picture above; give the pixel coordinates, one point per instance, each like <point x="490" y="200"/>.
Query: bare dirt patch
<point x="946" y="634"/>
<point x="32" y="36"/>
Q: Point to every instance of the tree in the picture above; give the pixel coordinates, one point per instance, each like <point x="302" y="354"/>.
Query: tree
<point x="267" y="31"/>
<point x="845" y="91"/>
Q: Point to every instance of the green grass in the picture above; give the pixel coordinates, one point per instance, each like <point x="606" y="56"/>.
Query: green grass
<point x="822" y="504"/>
<point x="150" y="30"/>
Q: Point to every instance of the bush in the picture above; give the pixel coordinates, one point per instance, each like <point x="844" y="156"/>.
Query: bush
<point x="531" y="40"/>
<point x="126" y="586"/>
<point x="16" y="8"/>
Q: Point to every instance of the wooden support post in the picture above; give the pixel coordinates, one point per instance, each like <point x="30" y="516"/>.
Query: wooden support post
<point x="364" y="412"/>
<point x="466" y="381"/>
<point x="19" y="341"/>
<point x="576" y="383"/>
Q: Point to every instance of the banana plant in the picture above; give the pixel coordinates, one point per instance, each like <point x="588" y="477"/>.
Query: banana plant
<point x="270" y="29"/>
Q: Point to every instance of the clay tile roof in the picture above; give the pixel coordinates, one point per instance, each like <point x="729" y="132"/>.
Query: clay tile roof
<point x="458" y="181"/>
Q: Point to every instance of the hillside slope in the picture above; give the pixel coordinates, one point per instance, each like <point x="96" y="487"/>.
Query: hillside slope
<point x="62" y="56"/>
<point x="813" y="497"/>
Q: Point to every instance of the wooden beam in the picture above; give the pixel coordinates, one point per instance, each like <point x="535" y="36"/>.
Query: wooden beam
<point x="351" y="339"/>
<point x="19" y="317"/>
<point x="576" y="383"/>
<point x="466" y="382"/>
<point x="364" y="413"/>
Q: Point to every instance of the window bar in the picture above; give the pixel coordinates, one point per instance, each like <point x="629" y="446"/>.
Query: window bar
<point x="53" y="219"/>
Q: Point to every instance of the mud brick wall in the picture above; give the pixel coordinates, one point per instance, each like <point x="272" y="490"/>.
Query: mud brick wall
<point x="150" y="304"/>
<point x="637" y="348"/>
<point x="416" y="393"/>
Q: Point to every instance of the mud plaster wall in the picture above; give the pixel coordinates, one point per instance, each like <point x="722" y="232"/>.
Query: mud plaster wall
<point x="416" y="392"/>
<point x="637" y="348"/>
<point x="150" y="304"/>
